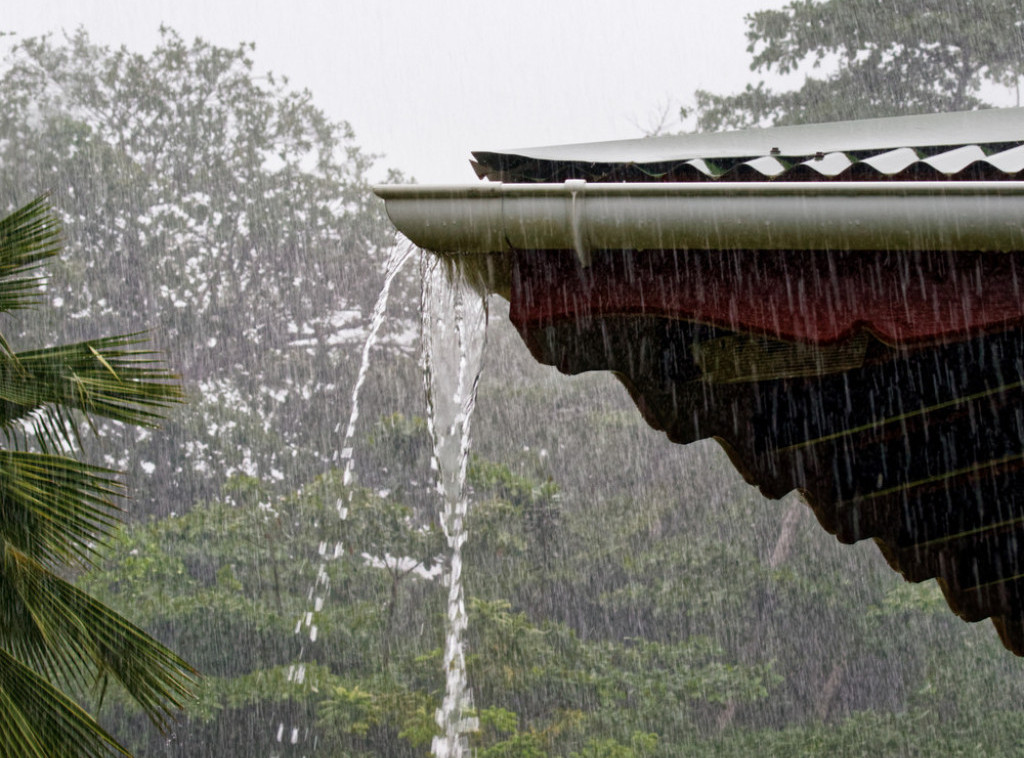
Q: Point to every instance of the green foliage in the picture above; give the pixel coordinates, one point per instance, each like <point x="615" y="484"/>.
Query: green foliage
<point x="886" y="59"/>
<point x="908" y="598"/>
<point x="56" y="514"/>
<point x="670" y="669"/>
<point x="499" y="736"/>
<point x="247" y="568"/>
<point x="914" y="733"/>
<point x="401" y="442"/>
<point x="640" y="744"/>
<point x="515" y="746"/>
<point x="356" y="717"/>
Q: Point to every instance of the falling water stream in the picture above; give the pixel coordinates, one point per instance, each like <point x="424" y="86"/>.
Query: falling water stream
<point x="454" y="333"/>
<point x="397" y="258"/>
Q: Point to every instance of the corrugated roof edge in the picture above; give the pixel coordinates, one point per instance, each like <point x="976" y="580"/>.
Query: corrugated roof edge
<point x="735" y="156"/>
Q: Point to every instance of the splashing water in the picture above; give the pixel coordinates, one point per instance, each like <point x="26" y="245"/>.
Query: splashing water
<point x="454" y="332"/>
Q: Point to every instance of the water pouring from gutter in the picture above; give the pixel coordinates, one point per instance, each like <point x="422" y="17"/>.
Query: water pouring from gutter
<point x="398" y="256"/>
<point x="453" y="337"/>
<point x="453" y="334"/>
<point x="397" y="259"/>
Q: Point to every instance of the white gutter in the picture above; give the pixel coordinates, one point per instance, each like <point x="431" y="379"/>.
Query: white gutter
<point x="897" y="216"/>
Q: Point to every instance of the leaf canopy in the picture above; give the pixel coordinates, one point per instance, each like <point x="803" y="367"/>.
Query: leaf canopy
<point x="878" y="58"/>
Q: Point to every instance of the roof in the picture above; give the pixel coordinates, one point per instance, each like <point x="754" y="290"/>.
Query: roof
<point x="973" y="145"/>
<point x="838" y="304"/>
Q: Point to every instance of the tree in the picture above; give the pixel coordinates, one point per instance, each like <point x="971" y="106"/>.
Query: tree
<point x="888" y="58"/>
<point x="221" y="206"/>
<point x="56" y="513"/>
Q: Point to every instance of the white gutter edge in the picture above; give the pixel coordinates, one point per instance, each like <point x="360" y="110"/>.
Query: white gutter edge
<point x="898" y="216"/>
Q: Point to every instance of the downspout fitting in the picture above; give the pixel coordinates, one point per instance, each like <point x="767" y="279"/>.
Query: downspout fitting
<point x="577" y="189"/>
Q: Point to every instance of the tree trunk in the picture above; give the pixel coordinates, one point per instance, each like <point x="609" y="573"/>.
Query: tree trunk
<point x="780" y="553"/>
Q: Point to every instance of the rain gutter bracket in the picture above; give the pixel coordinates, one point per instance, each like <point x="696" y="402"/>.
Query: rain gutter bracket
<point x="577" y="189"/>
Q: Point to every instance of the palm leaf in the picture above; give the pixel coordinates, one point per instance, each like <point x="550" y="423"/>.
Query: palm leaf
<point x="28" y="236"/>
<point x="39" y="721"/>
<point x="40" y="389"/>
<point x="65" y="633"/>
<point x="55" y="511"/>
<point x="109" y="377"/>
<point x="54" y="508"/>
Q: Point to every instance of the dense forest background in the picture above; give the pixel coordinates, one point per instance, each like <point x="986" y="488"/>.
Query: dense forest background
<point x="627" y="597"/>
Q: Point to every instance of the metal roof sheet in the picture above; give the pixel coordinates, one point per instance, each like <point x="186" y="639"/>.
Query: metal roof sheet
<point x="973" y="145"/>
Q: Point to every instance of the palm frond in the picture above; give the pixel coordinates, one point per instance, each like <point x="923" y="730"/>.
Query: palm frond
<point x="39" y="721"/>
<point x="110" y="377"/>
<point x="65" y="633"/>
<point x="55" y="508"/>
<point x="28" y="236"/>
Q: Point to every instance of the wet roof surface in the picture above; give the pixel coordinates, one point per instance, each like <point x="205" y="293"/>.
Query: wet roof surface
<point x="976" y="145"/>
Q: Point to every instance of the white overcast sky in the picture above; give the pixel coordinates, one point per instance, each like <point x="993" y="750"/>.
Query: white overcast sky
<point x="423" y="83"/>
